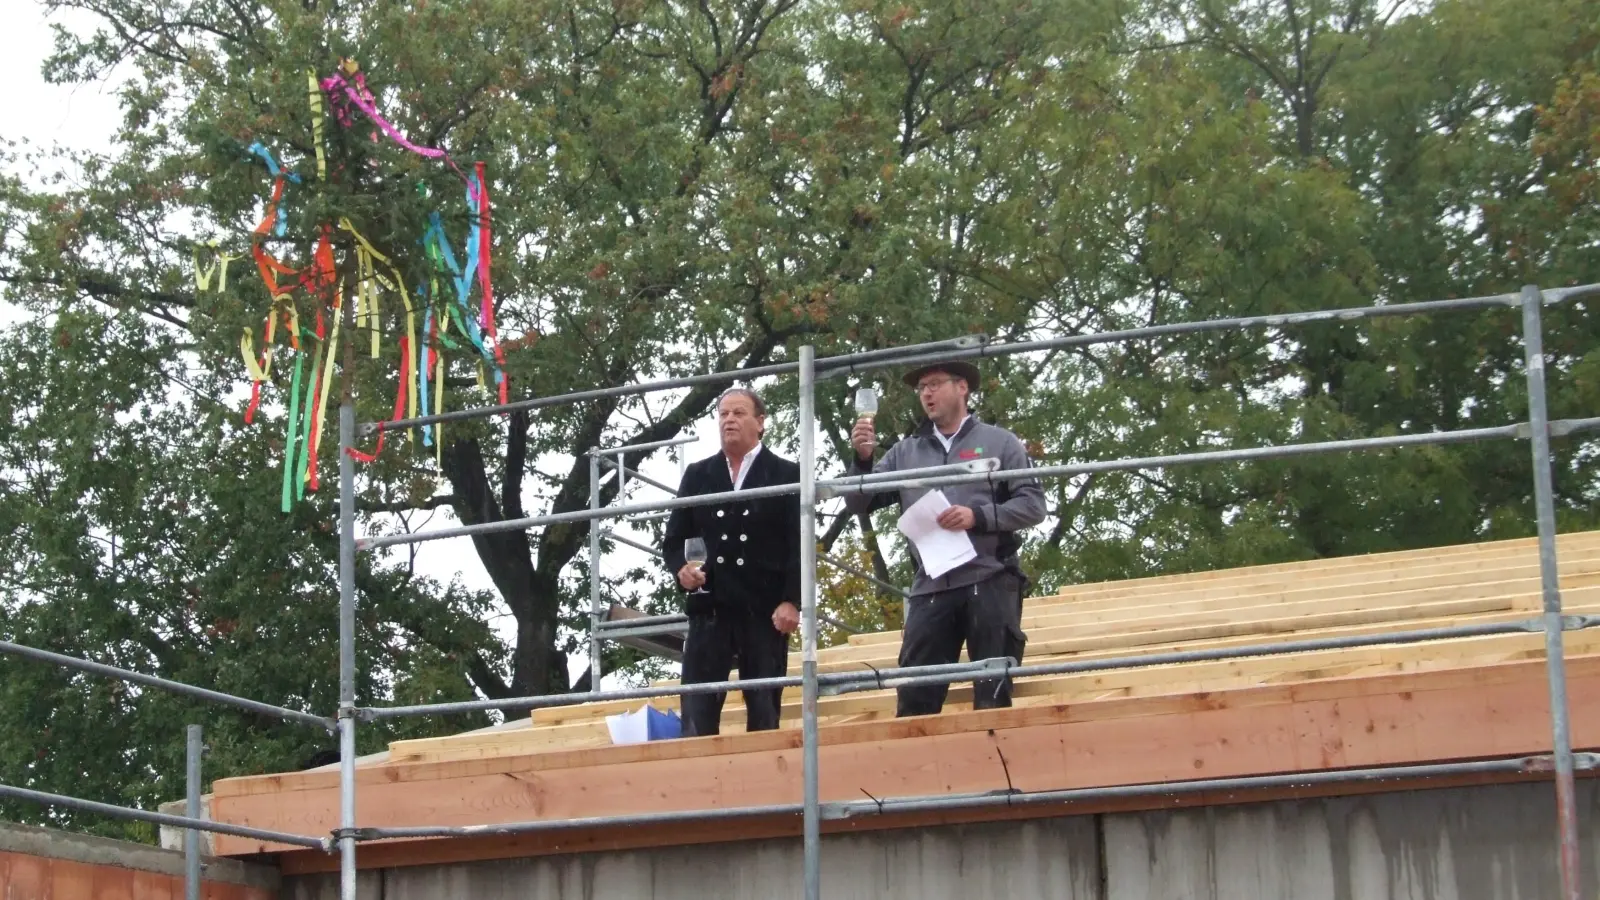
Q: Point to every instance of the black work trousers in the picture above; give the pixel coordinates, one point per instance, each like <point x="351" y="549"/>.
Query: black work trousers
<point x="714" y="642"/>
<point x="986" y="615"/>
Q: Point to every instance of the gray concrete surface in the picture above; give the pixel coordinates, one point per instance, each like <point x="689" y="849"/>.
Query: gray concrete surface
<point x="1488" y="843"/>
<point x="172" y="838"/>
<point x="1046" y="858"/>
<point x="82" y="848"/>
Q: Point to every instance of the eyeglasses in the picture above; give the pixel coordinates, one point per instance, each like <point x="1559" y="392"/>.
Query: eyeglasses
<point x="931" y="384"/>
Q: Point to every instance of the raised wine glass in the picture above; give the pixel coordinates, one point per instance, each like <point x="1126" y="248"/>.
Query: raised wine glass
<point x="694" y="554"/>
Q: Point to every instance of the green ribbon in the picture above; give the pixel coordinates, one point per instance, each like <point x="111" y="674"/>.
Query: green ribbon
<point x="289" y="447"/>
<point x="307" y="417"/>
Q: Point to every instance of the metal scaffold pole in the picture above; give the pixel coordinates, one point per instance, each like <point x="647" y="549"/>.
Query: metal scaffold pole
<point x="1555" y="659"/>
<point x="594" y="570"/>
<point x="808" y="621"/>
<point x="195" y="741"/>
<point x="347" y="651"/>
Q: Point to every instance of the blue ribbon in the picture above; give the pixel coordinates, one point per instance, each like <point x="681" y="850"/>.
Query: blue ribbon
<point x="463" y="278"/>
<point x="422" y="367"/>
<point x="260" y="149"/>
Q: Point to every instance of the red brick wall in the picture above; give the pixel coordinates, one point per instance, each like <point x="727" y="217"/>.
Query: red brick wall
<point x="24" y="877"/>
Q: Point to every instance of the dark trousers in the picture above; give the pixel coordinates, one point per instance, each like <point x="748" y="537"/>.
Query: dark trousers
<point x="715" y="640"/>
<point x="986" y="615"/>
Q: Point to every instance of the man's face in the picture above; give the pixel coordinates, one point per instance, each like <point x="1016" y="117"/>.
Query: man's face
<point x="738" y="424"/>
<point x="943" y="396"/>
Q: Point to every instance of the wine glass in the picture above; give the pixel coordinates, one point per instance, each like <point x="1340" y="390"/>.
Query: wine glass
<point x="866" y="404"/>
<point x="694" y="554"/>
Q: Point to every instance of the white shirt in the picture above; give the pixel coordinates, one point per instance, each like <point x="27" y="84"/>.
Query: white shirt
<point x="950" y="441"/>
<point x="744" y="467"/>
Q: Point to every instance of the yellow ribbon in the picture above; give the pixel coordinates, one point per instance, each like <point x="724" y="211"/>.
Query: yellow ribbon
<point x="202" y="274"/>
<point x="438" y="407"/>
<point x="315" y="95"/>
<point x="285" y="300"/>
<point x="398" y="285"/>
<point x="310" y="435"/>
<point x="367" y="296"/>
<point x="219" y="266"/>
<point x="248" y="351"/>
<point x="222" y="264"/>
<point x="329" y="352"/>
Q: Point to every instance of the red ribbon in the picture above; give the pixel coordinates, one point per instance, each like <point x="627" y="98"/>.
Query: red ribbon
<point x="399" y="404"/>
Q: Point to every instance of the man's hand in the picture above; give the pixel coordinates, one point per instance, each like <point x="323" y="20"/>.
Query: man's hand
<point x="957" y="518"/>
<point x="691" y="577"/>
<point x="864" y="438"/>
<point x="786" y="618"/>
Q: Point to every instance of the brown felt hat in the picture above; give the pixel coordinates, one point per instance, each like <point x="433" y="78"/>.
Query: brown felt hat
<point x="960" y="369"/>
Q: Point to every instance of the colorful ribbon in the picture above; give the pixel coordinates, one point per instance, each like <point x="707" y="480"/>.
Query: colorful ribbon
<point x="400" y="400"/>
<point x="479" y="329"/>
<point x="352" y="91"/>
<point x="289" y="445"/>
<point x="218" y="266"/>
<point x="367" y="258"/>
<point x="484" y="281"/>
<point x="425" y="355"/>
<point x="314" y="95"/>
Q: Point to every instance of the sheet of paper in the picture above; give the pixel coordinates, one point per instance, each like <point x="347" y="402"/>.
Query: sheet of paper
<point x="940" y="548"/>
<point x="629" y="727"/>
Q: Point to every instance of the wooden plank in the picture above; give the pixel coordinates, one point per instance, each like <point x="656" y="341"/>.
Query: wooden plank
<point x="1051" y="645"/>
<point x="1043" y="711"/>
<point x="1522" y="580"/>
<point x="1585" y="544"/>
<point x="1372" y="561"/>
<point x="1217" y="675"/>
<point x="1391" y="720"/>
<point x="395" y="854"/>
<point x="1340" y="584"/>
<point x="1066" y="641"/>
<point x="1578" y="548"/>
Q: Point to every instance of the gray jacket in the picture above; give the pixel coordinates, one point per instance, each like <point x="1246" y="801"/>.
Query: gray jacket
<point x="1001" y="507"/>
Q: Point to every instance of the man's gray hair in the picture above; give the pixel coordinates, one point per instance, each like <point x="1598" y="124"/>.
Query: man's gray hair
<point x="756" y="402"/>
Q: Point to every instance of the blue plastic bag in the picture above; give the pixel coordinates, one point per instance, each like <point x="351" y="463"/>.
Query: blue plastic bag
<point x="662" y="726"/>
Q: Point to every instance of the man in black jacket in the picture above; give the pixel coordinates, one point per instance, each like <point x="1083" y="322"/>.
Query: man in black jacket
<point x="751" y="577"/>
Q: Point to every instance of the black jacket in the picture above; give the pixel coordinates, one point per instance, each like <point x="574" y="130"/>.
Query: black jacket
<point x="753" y="546"/>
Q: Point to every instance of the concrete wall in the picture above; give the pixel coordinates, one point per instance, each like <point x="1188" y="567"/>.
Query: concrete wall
<point x="1489" y="843"/>
<point x="1486" y="843"/>
<point x="40" y="864"/>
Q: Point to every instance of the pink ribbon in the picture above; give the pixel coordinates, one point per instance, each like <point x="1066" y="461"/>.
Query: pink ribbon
<point x="344" y="94"/>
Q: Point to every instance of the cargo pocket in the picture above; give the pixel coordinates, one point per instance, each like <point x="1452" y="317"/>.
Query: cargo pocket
<point x="1016" y="641"/>
<point x="1016" y="638"/>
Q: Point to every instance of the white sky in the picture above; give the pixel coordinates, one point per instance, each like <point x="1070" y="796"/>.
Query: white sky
<point x="81" y="117"/>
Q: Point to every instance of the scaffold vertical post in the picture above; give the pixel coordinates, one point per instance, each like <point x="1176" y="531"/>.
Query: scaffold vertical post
<point x="594" y="570"/>
<point x="1555" y="660"/>
<point x="808" y="621"/>
<point x="195" y="741"/>
<point x="347" y="650"/>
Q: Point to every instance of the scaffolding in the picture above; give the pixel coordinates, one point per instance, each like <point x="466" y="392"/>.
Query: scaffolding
<point x="1561" y="763"/>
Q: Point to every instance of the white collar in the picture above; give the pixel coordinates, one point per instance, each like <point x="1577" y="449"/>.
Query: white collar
<point x="949" y="441"/>
<point x="744" y="466"/>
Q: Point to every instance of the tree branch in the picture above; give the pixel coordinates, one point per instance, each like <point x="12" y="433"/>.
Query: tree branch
<point x="431" y="503"/>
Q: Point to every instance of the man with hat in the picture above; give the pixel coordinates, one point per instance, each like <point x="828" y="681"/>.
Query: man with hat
<point x="980" y="601"/>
